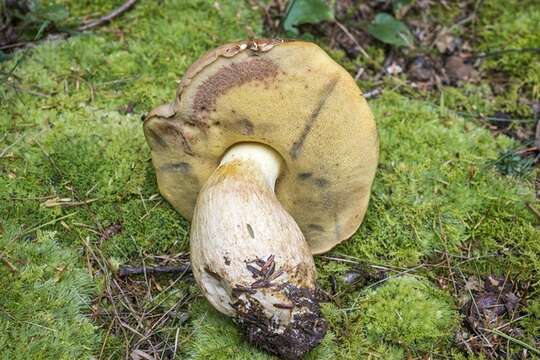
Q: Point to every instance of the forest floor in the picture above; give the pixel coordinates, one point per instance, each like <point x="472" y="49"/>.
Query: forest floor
<point x="445" y="265"/>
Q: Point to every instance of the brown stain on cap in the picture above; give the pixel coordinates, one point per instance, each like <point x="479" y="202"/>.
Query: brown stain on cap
<point x="228" y="77"/>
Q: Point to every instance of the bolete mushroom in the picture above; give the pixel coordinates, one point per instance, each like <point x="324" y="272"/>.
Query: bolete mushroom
<point x="270" y="149"/>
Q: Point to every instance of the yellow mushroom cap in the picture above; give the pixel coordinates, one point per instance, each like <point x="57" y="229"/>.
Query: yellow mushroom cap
<point x="291" y="96"/>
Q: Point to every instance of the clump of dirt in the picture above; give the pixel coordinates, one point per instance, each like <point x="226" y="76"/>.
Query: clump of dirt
<point x="306" y="328"/>
<point x="361" y="275"/>
<point x="305" y="331"/>
<point x="110" y="231"/>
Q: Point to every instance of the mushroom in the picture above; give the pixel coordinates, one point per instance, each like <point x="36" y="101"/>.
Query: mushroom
<point x="270" y="149"/>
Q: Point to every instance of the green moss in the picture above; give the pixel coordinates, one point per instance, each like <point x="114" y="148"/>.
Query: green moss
<point x="434" y="180"/>
<point x="42" y="303"/>
<point x="531" y="322"/>
<point x="409" y="312"/>
<point x="470" y="99"/>
<point x="437" y="188"/>
<point x="513" y="25"/>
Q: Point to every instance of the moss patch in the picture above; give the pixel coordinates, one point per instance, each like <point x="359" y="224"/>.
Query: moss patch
<point x="513" y="25"/>
<point x="435" y="182"/>
<point x="409" y="312"/>
<point x="42" y="304"/>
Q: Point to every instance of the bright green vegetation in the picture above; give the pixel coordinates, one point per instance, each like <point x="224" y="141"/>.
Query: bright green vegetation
<point x="43" y="307"/>
<point x="409" y="312"/>
<point x="64" y="134"/>
<point x="513" y="25"/>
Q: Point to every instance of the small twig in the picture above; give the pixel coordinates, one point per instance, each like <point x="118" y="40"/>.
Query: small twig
<point x="498" y="328"/>
<point x="176" y="341"/>
<point x="374" y="266"/>
<point x="110" y="16"/>
<point x="53" y="221"/>
<point x="354" y="260"/>
<point x="148" y="212"/>
<point x="372" y="93"/>
<point x="8" y="263"/>
<point x="358" y="73"/>
<point x="167" y="296"/>
<point x="11" y="145"/>
<point x="348" y="33"/>
<point x="527" y="150"/>
<point x="143" y="203"/>
<point x="105" y="340"/>
<point x="478" y="116"/>
<point x="503" y="51"/>
<point x="534" y="210"/>
<point x="493" y="118"/>
<point x="28" y="91"/>
<point x="476" y="330"/>
<point x="401" y="273"/>
<point x="13" y="45"/>
<point x="514" y="340"/>
<point x="127" y="270"/>
<point x="66" y="202"/>
<point x="339" y="259"/>
<point x="88" y="227"/>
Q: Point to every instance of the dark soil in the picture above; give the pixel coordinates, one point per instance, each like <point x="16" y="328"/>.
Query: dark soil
<point x="304" y="332"/>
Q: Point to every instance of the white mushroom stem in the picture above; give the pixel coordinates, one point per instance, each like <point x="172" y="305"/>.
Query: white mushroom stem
<point x="250" y="257"/>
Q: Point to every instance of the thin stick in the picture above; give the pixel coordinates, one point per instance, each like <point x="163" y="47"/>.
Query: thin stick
<point x="347" y="32"/>
<point x="504" y="51"/>
<point x="148" y="212"/>
<point x="11" y="46"/>
<point x="176" y="341"/>
<point x="479" y="333"/>
<point x="167" y="296"/>
<point x="372" y="93"/>
<point x="534" y="210"/>
<point x="493" y="118"/>
<point x="110" y="16"/>
<point x="105" y="340"/>
<point x="499" y="327"/>
<point x="43" y="225"/>
<point x="68" y="203"/>
<point x="514" y="340"/>
<point x="133" y="270"/>
<point x="8" y="263"/>
<point x="11" y="145"/>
